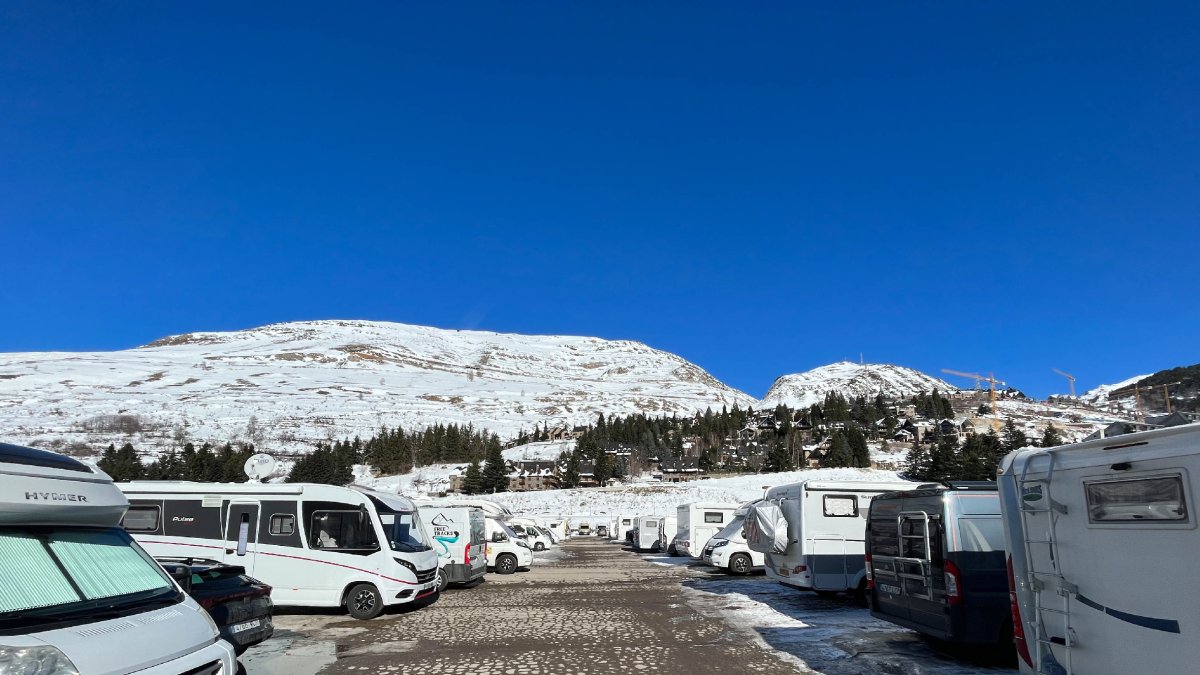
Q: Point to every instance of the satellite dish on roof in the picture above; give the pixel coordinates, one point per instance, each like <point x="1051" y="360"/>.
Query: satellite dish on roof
<point x="260" y="467"/>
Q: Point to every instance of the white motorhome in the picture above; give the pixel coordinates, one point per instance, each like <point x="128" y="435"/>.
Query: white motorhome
<point x="460" y="539"/>
<point x="59" y="524"/>
<point x="646" y="532"/>
<point x="667" y="529"/>
<point x="624" y="528"/>
<point x="316" y="545"/>
<point x="530" y="531"/>
<point x="812" y="532"/>
<point x="1101" y="538"/>
<point x="506" y="552"/>
<point x="727" y="549"/>
<point x="489" y="507"/>
<point x="700" y="520"/>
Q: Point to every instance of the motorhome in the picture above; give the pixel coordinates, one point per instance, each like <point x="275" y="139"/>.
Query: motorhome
<point x="624" y="529"/>
<point x="506" y="551"/>
<point x="460" y="539"/>
<point x="727" y="549"/>
<point x="489" y="507"/>
<point x="316" y="545"/>
<point x="701" y="520"/>
<point x="811" y="532"/>
<point x="667" y="529"/>
<point x="1101" y="537"/>
<point x="59" y="524"/>
<point x="529" y="530"/>
<point x="646" y="532"/>
<point x="935" y="559"/>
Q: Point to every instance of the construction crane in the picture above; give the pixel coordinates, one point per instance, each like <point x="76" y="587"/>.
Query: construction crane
<point x="1167" y="394"/>
<point x="1070" y="379"/>
<point x="990" y="379"/>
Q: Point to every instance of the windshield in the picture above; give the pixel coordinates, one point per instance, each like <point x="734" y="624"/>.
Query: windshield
<point x="73" y="573"/>
<point x="405" y="532"/>
<point x="732" y="531"/>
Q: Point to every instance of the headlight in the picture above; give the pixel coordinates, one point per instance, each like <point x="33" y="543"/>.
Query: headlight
<point x="721" y="543"/>
<point x="35" y="661"/>
<point x="522" y="544"/>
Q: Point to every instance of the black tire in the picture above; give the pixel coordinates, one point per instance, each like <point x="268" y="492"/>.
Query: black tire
<point x="442" y="580"/>
<point x="364" y="602"/>
<point x="740" y="564"/>
<point x="539" y="546"/>
<point x="860" y="594"/>
<point x="506" y="563"/>
<point x="672" y="552"/>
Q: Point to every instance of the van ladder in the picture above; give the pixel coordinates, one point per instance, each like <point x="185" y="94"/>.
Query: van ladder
<point x="1051" y="591"/>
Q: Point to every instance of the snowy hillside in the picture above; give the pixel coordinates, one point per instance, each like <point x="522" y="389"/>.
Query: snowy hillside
<point x="309" y="381"/>
<point x="1100" y="396"/>
<point x="850" y="379"/>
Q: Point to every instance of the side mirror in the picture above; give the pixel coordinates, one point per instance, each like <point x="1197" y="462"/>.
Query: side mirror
<point x="182" y="574"/>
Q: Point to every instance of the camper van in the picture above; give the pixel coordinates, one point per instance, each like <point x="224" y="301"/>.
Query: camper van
<point x="316" y="545"/>
<point x="529" y="530"/>
<point x="936" y="562"/>
<point x="506" y="552"/>
<point x="459" y="538"/>
<point x="700" y="520"/>
<point x="1101" y="538"/>
<point x="59" y="523"/>
<point x="811" y="532"/>
<point x="667" y="529"/>
<point x="727" y="549"/>
<point x="646" y="532"/>
<point x="624" y="529"/>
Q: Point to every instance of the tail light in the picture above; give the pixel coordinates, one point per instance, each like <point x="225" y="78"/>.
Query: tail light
<point x="1018" y="625"/>
<point x="954" y="589"/>
<point x="870" y="573"/>
<point x="467" y="553"/>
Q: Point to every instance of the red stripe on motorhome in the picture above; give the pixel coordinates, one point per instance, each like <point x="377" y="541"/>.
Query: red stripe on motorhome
<point x="292" y="557"/>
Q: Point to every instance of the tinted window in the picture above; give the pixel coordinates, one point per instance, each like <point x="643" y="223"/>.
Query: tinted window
<point x="342" y="530"/>
<point x="283" y="524"/>
<point x="841" y="506"/>
<point x="981" y="535"/>
<point x="1137" y="500"/>
<point x="649" y="524"/>
<point x="714" y="517"/>
<point x="141" y="518"/>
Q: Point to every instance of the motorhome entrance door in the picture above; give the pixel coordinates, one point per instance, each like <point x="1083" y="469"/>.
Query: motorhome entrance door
<point x="829" y="563"/>
<point x="241" y="534"/>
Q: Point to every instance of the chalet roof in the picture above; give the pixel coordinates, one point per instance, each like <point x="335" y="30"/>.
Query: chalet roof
<point x="681" y="465"/>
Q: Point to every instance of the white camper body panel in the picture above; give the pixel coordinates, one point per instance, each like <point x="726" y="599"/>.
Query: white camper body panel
<point x="667" y="529"/>
<point x="163" y="633"/>
<point x="311" y="543"/>
<point x="726" y="545"/>
<point x="625" y="526"/>
<point x="702" y="521"/>
<point x="645" y="532"/>
<point x="460" y="540"/>
<point x="503" y="541"/>
<point x="1123" y="511"/>
<point x="826" y="522"/>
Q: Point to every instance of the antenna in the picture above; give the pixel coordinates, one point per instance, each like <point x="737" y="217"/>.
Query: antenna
<point x="260" y="467"/>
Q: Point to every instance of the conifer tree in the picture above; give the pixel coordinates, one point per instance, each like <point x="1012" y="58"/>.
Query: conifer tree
<point x="839" y="451"/>
<point x="860" y="454"/>
<point x="495" y="473"/>
<point x="1051" y="437"/>
<point x="1014" y="438"/>
<point x="944" y="461"/>
<point x="917" y="465"/>
<point x="473" y="479"/>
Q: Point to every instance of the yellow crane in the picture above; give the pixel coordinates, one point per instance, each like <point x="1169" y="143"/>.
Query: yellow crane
<point x="1070" y="379"/>
<point x="990" y="379"/>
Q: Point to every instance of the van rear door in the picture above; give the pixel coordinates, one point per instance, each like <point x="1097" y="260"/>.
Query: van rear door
<point x="922" y="566"/>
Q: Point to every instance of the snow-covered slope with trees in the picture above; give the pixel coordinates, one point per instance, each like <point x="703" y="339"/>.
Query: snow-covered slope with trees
<point x="850" y="379"/>
<point x="1102" y="395"/>
<point x="285" y="386"/>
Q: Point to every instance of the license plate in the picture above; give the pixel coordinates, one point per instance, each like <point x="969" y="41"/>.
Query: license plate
<point x="238" y="628"/>
<point x="888" y="588"/>
<point x="783" y="572"/>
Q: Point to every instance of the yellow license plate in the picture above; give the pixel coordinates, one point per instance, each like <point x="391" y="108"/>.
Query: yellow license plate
<point x="783" y="572"/>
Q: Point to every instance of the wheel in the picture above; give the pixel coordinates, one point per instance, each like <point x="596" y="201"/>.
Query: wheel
<point x="672" y="552"/>
<point x="539" y="546"/>
<point x="442" y="580"/>
<point x="506" y="563"/>
<point x="860" y="594"/>
<point x="740" y="563"/>
<point x="364" y="602"/>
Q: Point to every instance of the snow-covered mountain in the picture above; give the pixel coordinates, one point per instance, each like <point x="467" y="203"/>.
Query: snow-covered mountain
<point x="1100" y="396"/>
<point x="287" y="385"/>
<point x="850" y="379"/>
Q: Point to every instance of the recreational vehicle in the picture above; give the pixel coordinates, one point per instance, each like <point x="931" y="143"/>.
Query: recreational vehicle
<point x="727" y="549"/>
<point x="646" y="532"/>
<point x="506" y="552"/>
<point x="316" y="545"/>
<point x="624" y="529"/>
<point x="1101" y="537"/>
<point x="59" y="524"/>
<point x="667" y="529"/>
<point x="811" y="532"/>
<point x="531" y="533"/>
<point x="936" y="562"/>
<point x="700" y="520"/>
<point x="460" y="539"/>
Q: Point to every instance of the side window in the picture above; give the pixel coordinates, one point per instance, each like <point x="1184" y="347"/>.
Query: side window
<point x="1137" y="500"/>
<point x="841" y="506"/>
<point x="714" y="517"/>
<point x="282" y="524"/>
<point x="342" y="531"/>
<point x="142" y="519"/>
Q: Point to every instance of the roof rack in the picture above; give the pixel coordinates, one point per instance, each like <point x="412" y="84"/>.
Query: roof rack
<point x="959" y="485"/>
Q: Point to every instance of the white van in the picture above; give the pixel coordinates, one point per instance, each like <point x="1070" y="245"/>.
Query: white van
<point x="1102" y="540"/>
<point x="315" y="545"/>
<point x="728" y="550"/>
<point x="506" y="552"/>
<point x="624" y="527"/>
<point x="460" y="539"/>
<point x="59" y="523"/>
<point x="646" y="533"/>
<point x="529" y="530"/>
<point x="701" y="520"/>
<point x="813" y="532"/>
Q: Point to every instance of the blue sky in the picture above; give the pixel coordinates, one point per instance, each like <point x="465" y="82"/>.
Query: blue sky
<point x="980" y="186"/>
